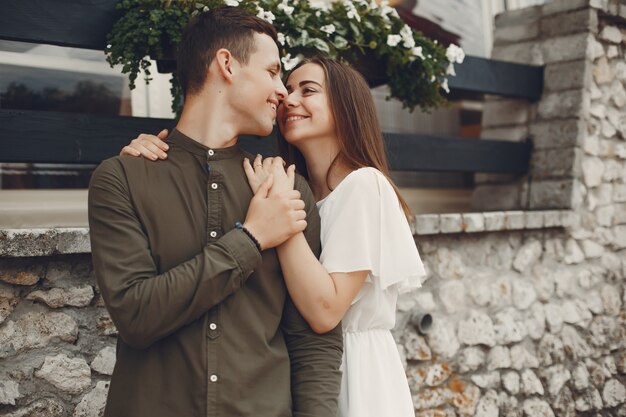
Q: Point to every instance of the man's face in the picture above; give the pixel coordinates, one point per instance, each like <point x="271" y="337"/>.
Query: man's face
<point x="258" y="88"/>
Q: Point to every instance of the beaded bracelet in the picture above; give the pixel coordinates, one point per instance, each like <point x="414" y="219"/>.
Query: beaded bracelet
<point x="240" y="226"/>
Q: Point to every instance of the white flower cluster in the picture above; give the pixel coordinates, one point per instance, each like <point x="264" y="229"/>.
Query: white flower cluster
<point x="289" y="63"/>
<point x="454" y="54"/>
<point x="285" y="7"/>
<point x="232" y="3"/>
<point x="328" y="28"/>
<point x="265" y="15"/>
<point x="352" y="12"/>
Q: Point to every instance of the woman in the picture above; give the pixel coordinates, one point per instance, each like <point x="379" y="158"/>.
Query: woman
<point x="331" y="132"/>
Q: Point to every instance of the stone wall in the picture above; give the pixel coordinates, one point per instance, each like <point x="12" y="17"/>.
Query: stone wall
<point x="532" y="322"/>
<point x="528" y="306"/>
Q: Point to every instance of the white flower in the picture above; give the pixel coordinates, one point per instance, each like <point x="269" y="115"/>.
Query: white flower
<point x="328" y="28"/>
<point x="206" y="9"/>
<point x="393" y="40"/>
<point x="455" y="54"/>
<point x="232" y="3"/>
<point x="281" y="38"/>
<point x="373" y="5"/>
<point x="444" y="85"/>
<point x="318" y="13"/>
<point x="407" y="37"/>
<point x="289" y="62"/>
<point x="450" y="70"/>
<point x="268" y="16"/>
<point x="285" y="7"/>
<point x="416" y="52"/>
<point x="352" y="13"/>
<point x="318" y="5"/>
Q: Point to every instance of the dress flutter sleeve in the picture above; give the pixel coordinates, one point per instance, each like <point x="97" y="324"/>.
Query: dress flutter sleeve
<point x="364" y="228"/>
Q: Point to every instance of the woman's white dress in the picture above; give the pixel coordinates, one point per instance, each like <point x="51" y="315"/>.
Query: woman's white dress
<point x="363" y="227"/>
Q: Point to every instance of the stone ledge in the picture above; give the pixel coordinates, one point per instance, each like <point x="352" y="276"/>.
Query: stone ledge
<point x="43" y="242"/>
<point x="17" y="243"/>
<point x="492" y="221"/>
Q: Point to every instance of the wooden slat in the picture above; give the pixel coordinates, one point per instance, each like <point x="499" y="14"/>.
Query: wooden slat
<point x="77" y="23"/>
<point x="85" y="24"/>
<point x="488" y="76"/>
<point x="49" y="137"/>
<point x="441" y="154"/>
<point x="53" y="137"/>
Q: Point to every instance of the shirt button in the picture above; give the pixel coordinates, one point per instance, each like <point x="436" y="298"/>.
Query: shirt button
<point x="212" y="326"/>
<point x="213" y="378"/>
<point x="213" y="233"/>
<point x="211" y="152"/>
<point x="214" y="186"/>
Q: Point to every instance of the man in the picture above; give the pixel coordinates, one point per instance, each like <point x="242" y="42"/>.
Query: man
<point x="205" y="324"/>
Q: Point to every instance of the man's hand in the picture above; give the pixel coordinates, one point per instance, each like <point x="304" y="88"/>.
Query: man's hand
<point x="272" y="219"/>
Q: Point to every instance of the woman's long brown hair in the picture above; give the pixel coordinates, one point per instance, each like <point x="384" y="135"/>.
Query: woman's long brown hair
<point x="356" y="122"/>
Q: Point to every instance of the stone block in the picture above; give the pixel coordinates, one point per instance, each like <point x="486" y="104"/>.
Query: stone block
<point x="36" y="330"/>
<point x="611" y="34"/>
<point x="560" y="6"/>
<point x="515" y="220"/>
<point x="9" y="391"/>
<point x="58" y="297"/>
<point x="475" y="222"/>
<point x="510" y="133"/>
<point x="517" y="17"/>
<point x="495" y="221"/>
<point x="72" y="375"/>
<point x="555" y="163"/>
<point x="94" y="402"/>
<point x="584" y="20"/>
<point x="602" y="72"/>
<point x="104" y="362"/>
<point x="558" y="133"/>
<point x="619" y="193"/>
<point x="513" y="34"/>
<point x="450" y="223"/>
<point x="551" y="194"/>
<point x="427" y="224"/>
<point x="565" y="48"/>
<point x="497" y="197"/>
<point x="567" y="76"/>
<point x="21" y="271"/>
<point x="552" y="218"/>
<point x="533" y="219"/>
<point x="563" y="105"/>
<point x="521" y="53"/>
<point x="505" y="112"/>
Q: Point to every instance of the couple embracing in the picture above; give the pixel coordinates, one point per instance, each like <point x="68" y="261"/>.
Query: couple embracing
<point x="238" y="286"/>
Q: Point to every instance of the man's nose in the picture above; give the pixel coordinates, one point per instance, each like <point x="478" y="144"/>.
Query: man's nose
<point x="281" y="91"/>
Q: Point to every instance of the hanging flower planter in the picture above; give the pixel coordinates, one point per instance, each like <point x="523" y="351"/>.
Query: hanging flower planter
<point x="369" y="35"/>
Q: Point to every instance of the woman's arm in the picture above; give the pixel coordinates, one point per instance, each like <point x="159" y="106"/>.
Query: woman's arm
<point x="321" y="298"/>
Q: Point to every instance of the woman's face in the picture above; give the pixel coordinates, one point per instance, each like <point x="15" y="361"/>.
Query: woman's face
<point x="305" y="113"/>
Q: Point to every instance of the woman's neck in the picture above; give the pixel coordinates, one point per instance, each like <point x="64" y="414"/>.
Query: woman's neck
<point x="319" y="158"/>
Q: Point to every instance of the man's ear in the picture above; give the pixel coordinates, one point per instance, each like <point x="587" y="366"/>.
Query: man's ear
<point x="225" y="64"/>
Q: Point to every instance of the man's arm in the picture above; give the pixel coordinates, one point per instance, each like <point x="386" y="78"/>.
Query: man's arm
<point x="315" y="359"/>
<point x="144" y="305"/>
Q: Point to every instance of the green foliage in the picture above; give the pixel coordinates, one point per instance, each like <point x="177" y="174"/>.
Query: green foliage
<point x="354" y="31"/>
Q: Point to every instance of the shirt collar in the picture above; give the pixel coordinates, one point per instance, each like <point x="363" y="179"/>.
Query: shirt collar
<point x="199" y="149"/>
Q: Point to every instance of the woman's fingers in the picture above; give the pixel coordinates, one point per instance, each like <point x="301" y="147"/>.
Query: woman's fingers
<point x="247" y="168"/>
<point x="258" y="162"/>
<point x="127" y="150"/>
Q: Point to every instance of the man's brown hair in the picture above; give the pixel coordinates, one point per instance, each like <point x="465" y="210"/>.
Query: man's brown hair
<point x="225" y="27"/>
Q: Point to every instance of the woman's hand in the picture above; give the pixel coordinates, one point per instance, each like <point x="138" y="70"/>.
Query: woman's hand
<point x="261" y="169"/>
<point x="149" y="146"/>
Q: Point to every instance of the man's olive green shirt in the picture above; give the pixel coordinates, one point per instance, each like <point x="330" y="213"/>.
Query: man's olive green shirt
<point x="206" y="327"/>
